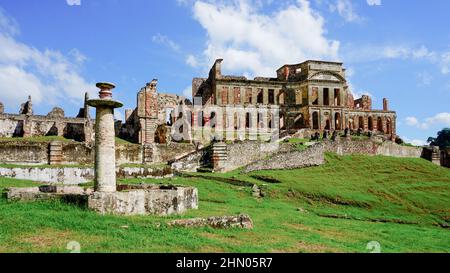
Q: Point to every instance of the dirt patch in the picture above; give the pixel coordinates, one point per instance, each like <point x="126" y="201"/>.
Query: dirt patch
<point x="306" y="247"/>
<point x="46" y="239"/>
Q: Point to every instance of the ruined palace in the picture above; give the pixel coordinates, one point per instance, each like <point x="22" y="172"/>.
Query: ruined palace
<point x="303" y="100"/>
<point x="27" y="124"/>
<point x="313" y="95"/>
<point x="309" y="97"/>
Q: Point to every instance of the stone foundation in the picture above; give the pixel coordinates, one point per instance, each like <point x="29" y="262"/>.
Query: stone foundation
<point x="223" y="222"/>
<point x="145" y="199"/>
<point x="46" y="192"/>
<point x="79" y="175"/>
<point x="128" y="200"/>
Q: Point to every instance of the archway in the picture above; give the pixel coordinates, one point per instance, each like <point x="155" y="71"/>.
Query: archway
<point x="388" y="126"/>
<point x="370" y="124"/>
<point x="248" y="120"/>
<point x="380" y="125"/>
<point x="361" y="123"/>
<point x="327" y="125"/>
<point x="337" y="97"/>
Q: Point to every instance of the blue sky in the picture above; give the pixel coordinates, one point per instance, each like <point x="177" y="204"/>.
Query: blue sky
<point x="57" y="49"/>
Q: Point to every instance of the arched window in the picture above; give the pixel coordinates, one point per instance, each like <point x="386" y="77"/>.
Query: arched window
<point x="361" y="123"/>
<point x="326" y="96"/>
<point x="337" y="97"/>
<point x="248" y="120"/>
<point x="315" y="121"/>
<point x="213" y="120"/>
<point x="380" y="125"/>
<point x="337" y="121"/>
<point x="327" y="125"/>
<point x="388" y="126"/>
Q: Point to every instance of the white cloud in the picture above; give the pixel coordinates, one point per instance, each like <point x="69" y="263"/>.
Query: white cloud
<point x="415" y="142"/>
<point x="374" y="2"/>
<point x="187" y="92"/>
<point x="164" y="40"/>
<point x="192" y="61"/>
<point x="424" y="78"/>
<point x="73" y="2"/>
<point x="346" y="10"/>
<point x="441" y="119"/>
<point x="25" y="70"/>
<point x="8" y="24"/>
<point x="372" y="53"/>
<point x="254" y="43"/>
<point x="118" y="115"/>
<point x="445" y="63"/>
<point x="412" y="121"/>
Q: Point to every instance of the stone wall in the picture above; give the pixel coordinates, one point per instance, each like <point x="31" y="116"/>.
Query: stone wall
<point x="13" y="125"/>
<point x="78" y="175"/>
<point x="13" y="152"/>
<point x="37" y="153"/>
<point x="314" y="155"/>
<point x="243" y="153"/>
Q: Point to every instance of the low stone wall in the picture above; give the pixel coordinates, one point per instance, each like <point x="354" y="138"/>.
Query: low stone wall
<point x="243" y="153"/>
<point x="145" y="199"/>
<point x="314" y="155"/>
<point x="392" y="149"/>
<point x="74" y="176"/>
<point x="239" y="155"/>
<point x="189" y="162"/>
<point x="13" y="152"/>
<point x="79" y="153"/>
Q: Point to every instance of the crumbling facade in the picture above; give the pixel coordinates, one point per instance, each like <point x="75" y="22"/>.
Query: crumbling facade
<point x="148" y="123"/>
<point x="55" y="123"/>
<point x="311" y="95"/>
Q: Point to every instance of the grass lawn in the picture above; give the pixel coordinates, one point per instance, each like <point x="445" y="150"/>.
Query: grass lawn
<point x="404" y="204"/>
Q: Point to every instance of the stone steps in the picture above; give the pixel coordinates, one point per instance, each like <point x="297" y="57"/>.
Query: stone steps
<point x="55" y="153"/>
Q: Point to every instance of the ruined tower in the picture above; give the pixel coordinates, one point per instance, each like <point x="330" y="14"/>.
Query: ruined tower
<point x="147" y="112"/>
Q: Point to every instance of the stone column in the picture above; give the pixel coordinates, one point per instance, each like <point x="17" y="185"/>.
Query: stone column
<point x="105" y="152"/>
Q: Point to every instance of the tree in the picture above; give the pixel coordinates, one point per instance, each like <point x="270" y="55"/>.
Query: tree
<point x="442" y="140"/>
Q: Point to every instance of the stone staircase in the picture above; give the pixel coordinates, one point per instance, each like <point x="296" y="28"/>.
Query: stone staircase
<point x="55" y="153"/>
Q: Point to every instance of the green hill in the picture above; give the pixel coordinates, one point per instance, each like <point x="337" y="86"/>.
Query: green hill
<point x="404" y="204"/>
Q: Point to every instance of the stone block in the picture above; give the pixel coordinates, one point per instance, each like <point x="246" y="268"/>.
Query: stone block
<point x="122" y="203"/>
<point x="145" y="199"/>
<point x="222" y="222"/>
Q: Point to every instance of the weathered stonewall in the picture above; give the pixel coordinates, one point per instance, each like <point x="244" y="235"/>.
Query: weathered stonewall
<point x="238" y="221"/>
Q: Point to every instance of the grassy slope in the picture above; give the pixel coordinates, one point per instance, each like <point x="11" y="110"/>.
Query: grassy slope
<point x="366" y="189"/>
